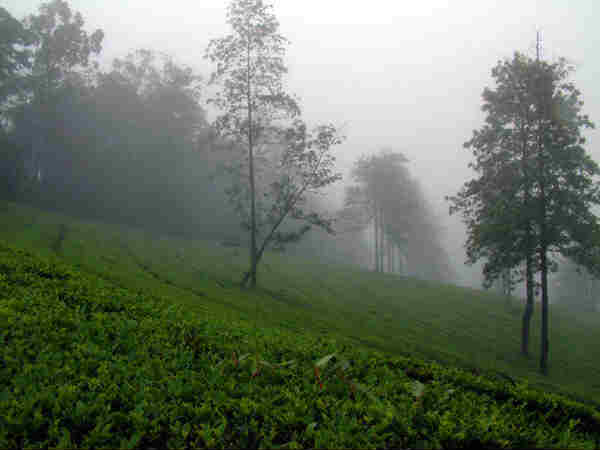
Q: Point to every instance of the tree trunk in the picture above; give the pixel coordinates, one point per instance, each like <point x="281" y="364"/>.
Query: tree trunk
<point x="253" y="224"/>
<point x="545" y="339"/>
<point x="506" y="286"/>
<point x="390" y="256"/>
<point x="381" y="241"/>
<point x="376" y="246"/>
<point x="528" y="314"/>
<point x="401" y="263"/>
<point x="252" y="186"/>
<point x="543" y="240"/>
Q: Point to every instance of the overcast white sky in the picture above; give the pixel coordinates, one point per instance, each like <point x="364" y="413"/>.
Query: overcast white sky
<point x="404" y="74"/>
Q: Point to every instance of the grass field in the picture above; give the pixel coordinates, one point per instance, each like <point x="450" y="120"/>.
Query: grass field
<point x="396" y="315"/>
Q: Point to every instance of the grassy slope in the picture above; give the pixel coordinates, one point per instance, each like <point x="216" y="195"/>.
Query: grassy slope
<point x="398" y="315"/>
<point x="88" y="364"/>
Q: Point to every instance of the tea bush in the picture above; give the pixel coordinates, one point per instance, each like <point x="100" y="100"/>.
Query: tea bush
<point x="86" y="363"/>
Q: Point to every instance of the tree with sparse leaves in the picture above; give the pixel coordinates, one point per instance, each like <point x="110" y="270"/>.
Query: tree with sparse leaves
<point x="281" y="160"/>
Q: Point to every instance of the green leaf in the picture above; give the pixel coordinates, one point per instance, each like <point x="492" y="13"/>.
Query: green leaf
<point x="243" y="357"/>
<point x="133" y="441"/>
<point x="417" y="388"/>
<point x="324" y="360"/>
<point x="291" y="362"/>
<point x="65" y="440"/>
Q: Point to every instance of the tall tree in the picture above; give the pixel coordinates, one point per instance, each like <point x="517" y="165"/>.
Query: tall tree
<point x="497" y="206"/>
<point x="564" y="186"/>
<point x="250" y="66"/>
<point x="535" y="183"/>
<point x="255" y="117"/>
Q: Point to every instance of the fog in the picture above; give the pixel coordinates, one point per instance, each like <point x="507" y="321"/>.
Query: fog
<point x="405" y="75"/>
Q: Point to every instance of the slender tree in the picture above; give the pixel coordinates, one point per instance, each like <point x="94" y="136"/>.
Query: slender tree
<point x="255" y="117"/>
<point x="250" y="67"/>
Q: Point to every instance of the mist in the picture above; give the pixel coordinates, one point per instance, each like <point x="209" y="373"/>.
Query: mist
<point x="389" y="74"/>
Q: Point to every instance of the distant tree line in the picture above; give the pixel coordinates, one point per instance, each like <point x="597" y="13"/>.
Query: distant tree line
<point x="129" y="144"/>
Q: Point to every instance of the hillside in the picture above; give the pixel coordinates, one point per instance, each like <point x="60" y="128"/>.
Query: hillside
<point x="151" y="334"/>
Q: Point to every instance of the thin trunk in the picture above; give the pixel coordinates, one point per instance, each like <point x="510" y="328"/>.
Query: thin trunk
<point x="48" y="71"/>
<point x="401" y="263"/>
<point x="506" y="286"/>
<point x="528" y="314"/>
<point x="529" y="286"/>
<point x="251" y="175"/>
<point x="389" y="255"/>
<point x="381" y="242"/>
<point x="545" y="340"/>
<point x="376" y="239"/>
<point x="543" y="236"/>
<point x="544" y="264"/>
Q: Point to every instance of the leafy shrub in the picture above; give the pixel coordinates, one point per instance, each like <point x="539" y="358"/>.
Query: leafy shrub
<point x="85" y="363"/>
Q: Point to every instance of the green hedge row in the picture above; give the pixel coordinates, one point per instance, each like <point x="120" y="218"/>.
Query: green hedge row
<point x="85" y="363"/>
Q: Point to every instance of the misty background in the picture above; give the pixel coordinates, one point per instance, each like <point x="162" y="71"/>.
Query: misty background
<point x="401" y="75"/>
